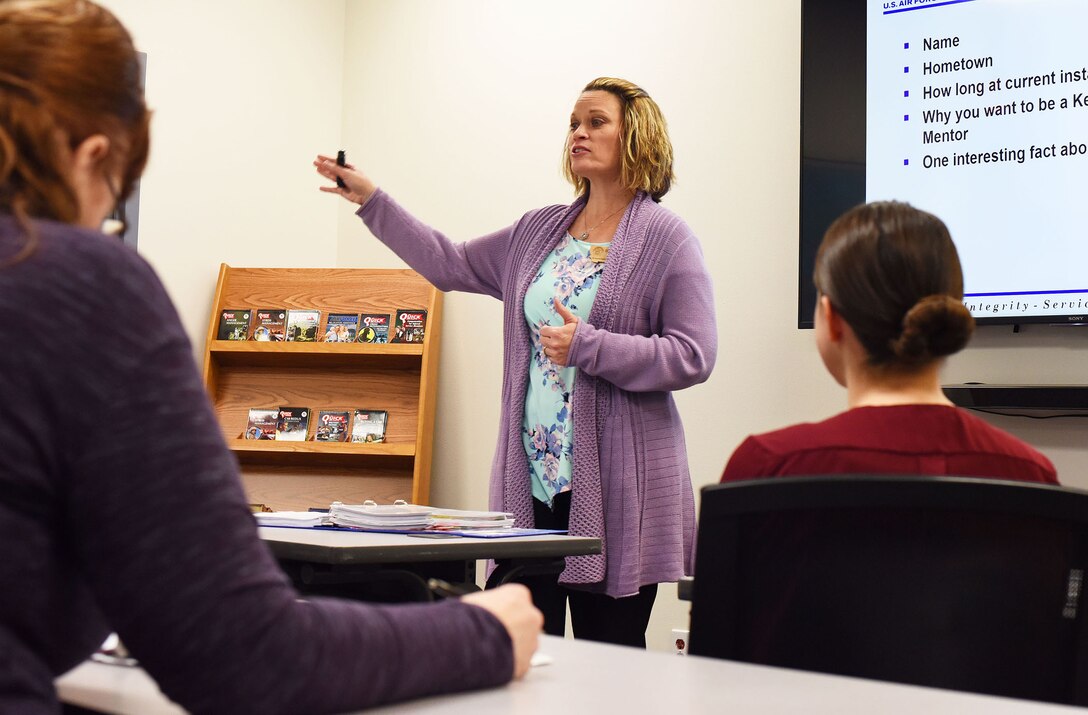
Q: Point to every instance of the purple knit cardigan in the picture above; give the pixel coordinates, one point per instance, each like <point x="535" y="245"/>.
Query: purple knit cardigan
<point x="651" y="330"/>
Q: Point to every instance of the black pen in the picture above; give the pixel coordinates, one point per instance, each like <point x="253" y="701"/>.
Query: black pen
<point x="447" y="590"/>
<point x="341" y="160"/>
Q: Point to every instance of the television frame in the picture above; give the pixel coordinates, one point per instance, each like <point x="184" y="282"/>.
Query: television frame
<point x="833" y="136"/>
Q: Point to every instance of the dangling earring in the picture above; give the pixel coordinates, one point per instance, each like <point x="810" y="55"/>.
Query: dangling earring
<point x="114" y="224"/>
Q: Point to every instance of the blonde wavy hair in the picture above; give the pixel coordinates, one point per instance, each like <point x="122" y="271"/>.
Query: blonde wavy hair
<point x="646" y="159"/>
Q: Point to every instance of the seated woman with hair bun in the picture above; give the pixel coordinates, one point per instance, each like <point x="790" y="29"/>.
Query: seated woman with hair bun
<point x="889" y="310"/>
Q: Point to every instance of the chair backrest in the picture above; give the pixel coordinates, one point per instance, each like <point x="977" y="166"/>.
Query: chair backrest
<point x="950" y="582"/>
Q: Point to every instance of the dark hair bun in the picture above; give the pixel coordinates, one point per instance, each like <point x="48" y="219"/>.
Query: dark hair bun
<point x="936" y="326"/>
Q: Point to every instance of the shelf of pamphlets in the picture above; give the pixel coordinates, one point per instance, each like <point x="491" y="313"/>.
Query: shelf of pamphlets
<point x="294" y="424"/>
<point x="307" y="325"/>
<point x="298" y="434"/>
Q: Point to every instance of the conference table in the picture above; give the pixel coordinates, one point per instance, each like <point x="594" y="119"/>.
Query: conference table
<point x="336" y="562"/>
<point x="585" y="677"/>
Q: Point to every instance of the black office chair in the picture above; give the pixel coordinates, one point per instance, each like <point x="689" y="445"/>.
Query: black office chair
<point x="949" y="582"/>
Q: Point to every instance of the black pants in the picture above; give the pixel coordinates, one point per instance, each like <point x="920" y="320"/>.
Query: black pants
<point x="594" y="616"/>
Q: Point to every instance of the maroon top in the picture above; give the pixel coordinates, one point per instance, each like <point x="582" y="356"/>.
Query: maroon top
<point x="121" y="509"/>
<point x="935" y="440"/>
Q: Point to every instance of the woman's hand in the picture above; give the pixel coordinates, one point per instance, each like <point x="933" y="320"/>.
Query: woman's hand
<point x="514" y="608"/>
<point x="358" y="187"/>
<point x="555" y="340"/>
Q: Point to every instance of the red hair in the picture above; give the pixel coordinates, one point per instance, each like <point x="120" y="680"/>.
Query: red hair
<point x="68" y="71"/>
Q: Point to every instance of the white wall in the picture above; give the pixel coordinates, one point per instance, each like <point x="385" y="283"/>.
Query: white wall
<point x="459" y="109"/>
<point x="244" y="92"/>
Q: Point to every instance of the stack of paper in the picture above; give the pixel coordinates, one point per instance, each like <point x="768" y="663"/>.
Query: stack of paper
<point x="442" y="519"/>
<point x="399" y="516"/>
<point x="292" y="518"/>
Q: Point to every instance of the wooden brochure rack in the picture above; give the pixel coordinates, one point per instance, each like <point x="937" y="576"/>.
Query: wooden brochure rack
<point x="399" y="378"/>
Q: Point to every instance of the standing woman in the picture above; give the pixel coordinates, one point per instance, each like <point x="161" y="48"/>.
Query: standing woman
<point x="607" y="309"/>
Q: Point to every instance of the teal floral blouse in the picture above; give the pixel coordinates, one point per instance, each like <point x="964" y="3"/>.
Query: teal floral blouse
<point x="547" y="430"/>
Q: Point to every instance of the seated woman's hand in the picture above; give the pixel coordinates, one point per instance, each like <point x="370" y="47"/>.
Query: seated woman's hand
<point x="512" y="605"/>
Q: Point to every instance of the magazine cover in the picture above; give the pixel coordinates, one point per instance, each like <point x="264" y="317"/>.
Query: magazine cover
<point x="374" y="328"/>
<point x="332" y="426"/>
<point x="262" y="424"/>
<point x="233" y="325"/>
<point x="293" y="424"/>
<point x="302" y="325"/>
<point x="341" y="328"/>
<point x="369" y="426"/>
<point x="268" y="324"/>
<point x="410" y="326"/>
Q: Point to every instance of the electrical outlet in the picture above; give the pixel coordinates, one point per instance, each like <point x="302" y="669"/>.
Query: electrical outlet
<point x="680" y="635"/>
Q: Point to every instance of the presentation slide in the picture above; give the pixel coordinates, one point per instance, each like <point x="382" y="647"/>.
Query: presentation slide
<point x="977" y="111"/>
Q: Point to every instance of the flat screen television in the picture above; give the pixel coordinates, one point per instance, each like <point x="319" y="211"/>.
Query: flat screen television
<point x="974" y="110"/>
